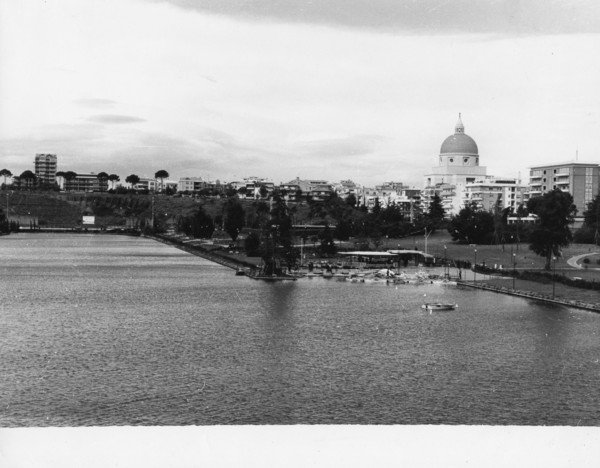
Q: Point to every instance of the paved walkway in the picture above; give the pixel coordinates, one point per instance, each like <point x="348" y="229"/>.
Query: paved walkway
<point x="572" y="262"/>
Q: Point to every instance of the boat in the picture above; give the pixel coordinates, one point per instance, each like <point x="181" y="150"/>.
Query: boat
<point x="438" y="306"/>
<point x="257" y="275"/>
<point x="240" y="272"/>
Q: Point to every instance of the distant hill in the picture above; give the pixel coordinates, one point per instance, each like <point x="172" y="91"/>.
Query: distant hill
<point x="56" y="209"/>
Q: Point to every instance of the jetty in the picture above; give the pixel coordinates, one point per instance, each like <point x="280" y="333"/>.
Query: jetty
<point x="595" y="307"/>
<point x="200" y="251"/>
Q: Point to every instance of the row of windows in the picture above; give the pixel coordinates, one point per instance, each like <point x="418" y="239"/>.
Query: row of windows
<point x="465" y="160"/>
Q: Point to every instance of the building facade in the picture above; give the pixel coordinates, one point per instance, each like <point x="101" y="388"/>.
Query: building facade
<point x="458" y="165"/>
<point x="191" y="184"/>
<point x="86" y="183"/>
<point x="581" y="180"/>
<point x="147" y="183"/>
<point x="488" y="191"/>
<point x="45" y="168"/>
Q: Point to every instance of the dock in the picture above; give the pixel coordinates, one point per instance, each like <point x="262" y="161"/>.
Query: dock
<point x="532" y="295"/>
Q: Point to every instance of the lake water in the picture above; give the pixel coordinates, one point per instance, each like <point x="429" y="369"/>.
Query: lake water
<point x="113" y="330"/>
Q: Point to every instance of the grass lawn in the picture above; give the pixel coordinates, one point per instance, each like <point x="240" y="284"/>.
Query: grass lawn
<point x="496" y="254"/>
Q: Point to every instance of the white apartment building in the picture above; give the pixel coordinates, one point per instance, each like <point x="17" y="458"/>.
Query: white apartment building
<point x="486" y="191"/>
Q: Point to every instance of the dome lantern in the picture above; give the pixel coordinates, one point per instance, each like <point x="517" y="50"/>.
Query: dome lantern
<point x="460" y="128"/>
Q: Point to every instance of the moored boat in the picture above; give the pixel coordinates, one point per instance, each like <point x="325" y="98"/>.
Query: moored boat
<point x="438" y="306"/>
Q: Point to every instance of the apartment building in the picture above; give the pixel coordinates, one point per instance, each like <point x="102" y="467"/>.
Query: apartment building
<point x="580" y="179"/>
<point x="45" y="168"/>
<point x="487" y="191"/>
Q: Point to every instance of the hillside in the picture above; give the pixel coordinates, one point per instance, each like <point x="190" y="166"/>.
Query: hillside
<point x="55" y="209"/>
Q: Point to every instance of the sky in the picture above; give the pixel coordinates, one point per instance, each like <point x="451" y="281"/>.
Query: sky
<point x="342" y="89"/>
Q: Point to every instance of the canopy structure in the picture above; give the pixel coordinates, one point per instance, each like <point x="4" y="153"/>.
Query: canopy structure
<point x="388" y="254"/>
<point x="409" y="252"/>
<point x="368" y="254"/>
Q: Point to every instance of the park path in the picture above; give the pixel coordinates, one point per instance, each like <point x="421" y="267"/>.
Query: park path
<point x="572" y="262"/>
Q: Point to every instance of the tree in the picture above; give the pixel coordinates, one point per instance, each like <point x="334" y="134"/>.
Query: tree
<point x="472" y="226"/>
<point x="29" y="178"/>
<point x="277" y="234"/>
<point x="162" y="175"/>
<point x="376" y="208"/>
<point x="327" y="246"/>
<point x="234" y="216"/>
<point x="436" y="213"/>
<point x="555" y="211"/>
<point x="263" y="192"/>
<point x="132" y="180"/>
<point x="70" y="175"/>
<point x="343" y="230"/>
<point x="351" y="200"/>
<point x="591" y="218"/>
<point x="102" y="178"/>
<point x="252" y="244"/>
<point x="198" y="225"/>
<point x="5" y="173"/>
<point x="114" y="178"/>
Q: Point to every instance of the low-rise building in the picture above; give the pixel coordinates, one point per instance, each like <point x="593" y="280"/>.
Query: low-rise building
<point x="320" y="192"/>
<point x="191" y="184"/>
<point x="147" y="183"/>
<point x="86" y="183"/>
<point x="308" y="185"/>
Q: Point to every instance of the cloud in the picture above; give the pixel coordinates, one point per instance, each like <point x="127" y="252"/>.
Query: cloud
<point x="338" y="147"/>
<point x="95" y="103"/>
<point x="114" y="119"/>
<point x="417" y="16"/>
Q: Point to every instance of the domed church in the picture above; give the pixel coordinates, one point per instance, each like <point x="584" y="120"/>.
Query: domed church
<point x="458" y="164"/>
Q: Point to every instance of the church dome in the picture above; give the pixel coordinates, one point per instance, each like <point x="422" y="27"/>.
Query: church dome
<point x="460" y="142"/>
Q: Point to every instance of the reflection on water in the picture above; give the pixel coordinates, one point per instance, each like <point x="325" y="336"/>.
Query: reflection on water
<point x="103" y="330"/>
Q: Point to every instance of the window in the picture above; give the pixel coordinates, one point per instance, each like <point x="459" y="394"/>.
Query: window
<point x="451" y="159"/>
<point x="466" y="160"/>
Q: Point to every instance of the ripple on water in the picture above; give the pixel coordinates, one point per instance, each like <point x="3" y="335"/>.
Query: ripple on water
<point x="103" y="330"/>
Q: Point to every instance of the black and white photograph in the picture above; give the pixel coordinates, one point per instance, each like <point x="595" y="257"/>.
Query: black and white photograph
<point x="299" y="233"/>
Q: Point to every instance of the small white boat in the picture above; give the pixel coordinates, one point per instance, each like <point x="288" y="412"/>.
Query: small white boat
<point x="438" y="306"/>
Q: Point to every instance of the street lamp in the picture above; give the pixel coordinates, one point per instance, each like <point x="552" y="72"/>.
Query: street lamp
<point x="475" y="266"/>
<point x="553" y="277"/>
<point x="514" y="255"/>
<point x="446" y="270"/>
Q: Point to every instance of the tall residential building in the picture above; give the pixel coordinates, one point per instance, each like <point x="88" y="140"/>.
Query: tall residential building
<point x="458" y="165"/>
<point x="45" y="168"/>
<point x="577" y="178"/>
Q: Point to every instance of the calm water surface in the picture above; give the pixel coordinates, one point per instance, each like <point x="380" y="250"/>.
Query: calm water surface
<point x="109" y="330"/>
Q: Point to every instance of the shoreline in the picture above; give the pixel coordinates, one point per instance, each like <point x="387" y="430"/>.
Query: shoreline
<point x="235" y="265"/>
